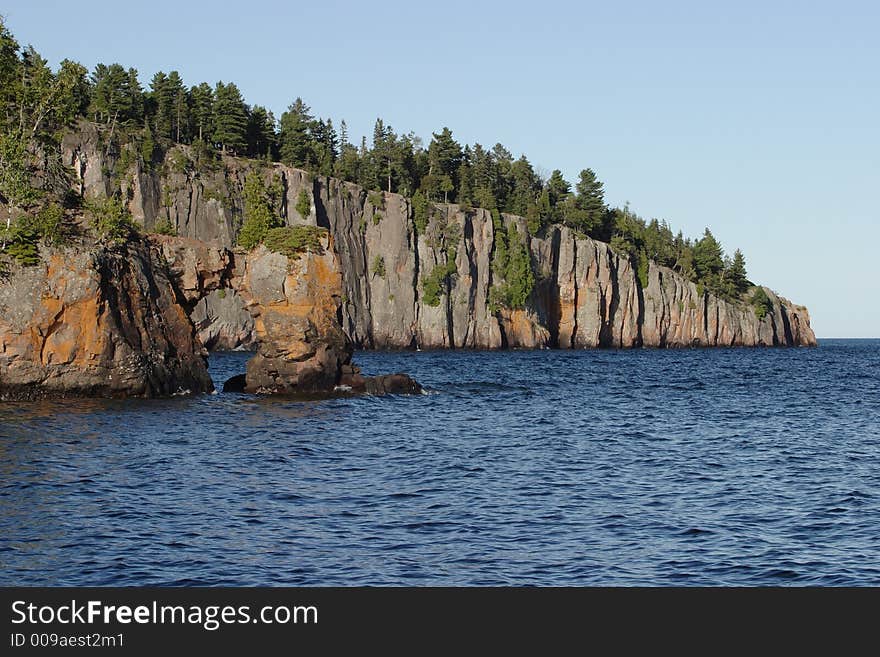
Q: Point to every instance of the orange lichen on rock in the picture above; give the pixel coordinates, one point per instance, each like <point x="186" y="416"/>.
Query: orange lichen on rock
<point x="521" y="329"/>
<point x="96" y="321"/>
<point x="294" y="302"/>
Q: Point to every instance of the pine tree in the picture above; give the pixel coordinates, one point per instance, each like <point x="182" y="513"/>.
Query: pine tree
<point x="162" y="101"/>
<point x="37" y="103"/>
<point x="367" y="173"/>
<point x="444" y="156"/>
<point x="74" y="97"/>
<point x="558" y="190"/>
<point x="545" y="209"/>
<point x="524" y="186"/>
<point x="201" y="99"/>
<point x="736" y="274"/>
<point x="502" y="184"/>
<point x="260" y="135"/>
<point x="483" y="169"/>
<point x="179" y="110"/>
<point x="465" y="193"/>
<point x="446" y="185"/>
<point x="326" y="147"/>
<point x="45" y="102"/>
<point x="343" y="133"/>
<point x="230" y="118"/>
<point x="295" y="137"/>
<point x="9" y="78"/>
<point x="111" y="96"/>
<point x="405" y="164"/>
<point x="708" y="256"/>
<point x="384" y="153"/>
<point x="348" y="165"/>
<point x="586" y="210"/>
<point x="135" y="97"/>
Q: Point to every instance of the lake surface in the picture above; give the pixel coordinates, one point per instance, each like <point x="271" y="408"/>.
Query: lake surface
<point x="648" y="467"/>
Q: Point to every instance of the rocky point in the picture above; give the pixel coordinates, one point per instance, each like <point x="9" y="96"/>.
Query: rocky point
<point x="97" y="321"/>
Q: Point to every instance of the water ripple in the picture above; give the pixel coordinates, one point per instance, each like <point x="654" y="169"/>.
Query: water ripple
<point x="685" y="467"/>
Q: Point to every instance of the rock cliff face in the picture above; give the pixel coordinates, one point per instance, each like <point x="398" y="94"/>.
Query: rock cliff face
<point x="586" y="295"/>
<point x="206" y="275"/>
<point x="96" y="322"/>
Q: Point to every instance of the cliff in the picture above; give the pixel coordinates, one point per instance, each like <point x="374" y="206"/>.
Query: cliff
<point x="96" y="321"/>
<point x="586" y="294"/>
<point x="206" y="275"/>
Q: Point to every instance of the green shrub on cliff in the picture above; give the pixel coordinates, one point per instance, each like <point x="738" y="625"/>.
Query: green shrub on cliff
<point x="379" y="266"/>
<point x="377" y="200"/>
<point x="24" y="235"/>
<point x="148" y="148"/>
<point x="534" y="219"/>
<point x="434" y="284"/>
<point x="512" y="262"/>
<point x="421" y="211"/>
<point x="22" y="241"/>
<point x="110" y="218"/>
<point x="165" y="227"/>
<point x="761" y="303"/>
<point x="294" y="240"/>
<point x="500" y="251"/>
<point x="642" y="269"/>
<point x="259" y="217"/>
<point x="303" y="204"/>
<point x="519" y="276"/>
<point x="180" y="163"/>
<point x="432" y="289"/>
<point x="204" y="157"/>
<point x="50" y="223"/>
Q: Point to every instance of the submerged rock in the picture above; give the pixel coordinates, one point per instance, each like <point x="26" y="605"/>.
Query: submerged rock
<point x="236" y="383"/>
<point x="97" y="321"/>
<point x="395" y="384"/>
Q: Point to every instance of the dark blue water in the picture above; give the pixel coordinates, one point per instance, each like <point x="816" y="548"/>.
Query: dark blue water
<point x="729" y="466"/>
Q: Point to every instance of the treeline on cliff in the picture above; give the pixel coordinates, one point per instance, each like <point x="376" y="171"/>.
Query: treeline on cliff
<point x="37" y="105"/>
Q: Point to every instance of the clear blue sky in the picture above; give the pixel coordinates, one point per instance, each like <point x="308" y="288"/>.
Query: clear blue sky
<point x="758" y="119"/>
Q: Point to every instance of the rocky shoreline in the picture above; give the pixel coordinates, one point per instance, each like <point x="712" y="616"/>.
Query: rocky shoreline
<point x="136" y="318"/>
<point x="104" y="320"/>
